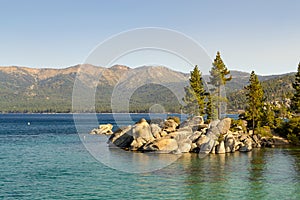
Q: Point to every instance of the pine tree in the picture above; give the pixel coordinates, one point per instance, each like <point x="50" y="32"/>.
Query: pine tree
<point x="295" y="104"/>
<point x="218" y="78"/>
<point x="210" y="108"/>
<point x="268" y="116"/>
<point x="195" y="94"/>
<point x="255" y="95"/>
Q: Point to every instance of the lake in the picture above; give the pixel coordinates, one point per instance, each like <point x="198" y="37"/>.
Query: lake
<point x="43" y="157"/>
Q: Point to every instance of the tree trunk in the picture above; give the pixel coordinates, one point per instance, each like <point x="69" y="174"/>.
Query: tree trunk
<point x="219" y="103"/>
<point x="253" y="125"/>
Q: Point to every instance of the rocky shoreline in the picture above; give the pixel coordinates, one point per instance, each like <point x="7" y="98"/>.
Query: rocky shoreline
<point x="169" y="136"/>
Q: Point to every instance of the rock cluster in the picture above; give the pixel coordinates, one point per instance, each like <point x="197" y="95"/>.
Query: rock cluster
<point x="104" y="129"/>
<point x="191" y="136"/>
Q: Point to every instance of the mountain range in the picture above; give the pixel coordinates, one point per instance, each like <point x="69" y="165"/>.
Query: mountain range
<point x="118" y="88"/>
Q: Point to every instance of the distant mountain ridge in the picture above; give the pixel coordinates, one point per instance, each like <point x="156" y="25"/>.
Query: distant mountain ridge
<point x="24" y="89"/>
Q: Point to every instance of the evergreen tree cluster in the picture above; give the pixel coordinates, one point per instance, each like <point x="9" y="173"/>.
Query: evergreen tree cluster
<point x="198" y="100"/>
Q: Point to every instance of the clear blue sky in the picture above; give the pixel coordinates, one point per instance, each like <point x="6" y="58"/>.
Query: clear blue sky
<point x="263" y="35"/>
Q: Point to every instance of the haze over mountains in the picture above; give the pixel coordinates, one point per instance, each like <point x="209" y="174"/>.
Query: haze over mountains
<point x="25" y="89"/>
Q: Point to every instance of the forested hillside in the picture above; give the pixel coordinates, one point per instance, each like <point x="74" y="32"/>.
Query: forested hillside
<point x="50" y="90"/>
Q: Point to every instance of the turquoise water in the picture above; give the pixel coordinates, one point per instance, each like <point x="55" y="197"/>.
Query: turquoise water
<point x="47" y="160"/>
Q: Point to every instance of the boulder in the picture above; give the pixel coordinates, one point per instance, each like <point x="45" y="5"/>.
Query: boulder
<point x="142" y="130"/>
<point x="181" y="134"/>
<point x="213" y="150"/>
<point x="224" y="125"/>
<point x="104" y="129"/>
<point x="121" y="138"/>
<point x="202" y="140"/>
<point x="229" y="143"/>
<point x="216" y="128"/>
<point x="163" y="133"/>
<point x="163" y="145"/>
<point x="197" y="120"/>
<point x="243" y="137"/>
<point x="137" y="144"/>
<point x="195" y="136"/>
<point x="155" y="130"/>
<point x="208" y="146"/>
<point x="196" y="123"/>
<point x="267" y="142"/>
<point x="220" y="148"/>
<point x="184" y="146"/>
<point x="141" y="133"/>
<point x="170" y="125"/>
<point x="237" y="145"/>
<point x="256" y="141"/>
<point x="194" y="148"/>
<point x="246" y="146"/>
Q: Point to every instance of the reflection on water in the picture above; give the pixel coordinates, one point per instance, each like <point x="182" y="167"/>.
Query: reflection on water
<point x="125" y="161"/>
<point x="261" y="174"/>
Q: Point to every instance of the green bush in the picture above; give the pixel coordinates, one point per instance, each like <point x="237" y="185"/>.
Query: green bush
<point x="290" y="130"/>
<point x="293" y="139"/>
<point x="264" y="131"/>
<point x="235" y="123"/>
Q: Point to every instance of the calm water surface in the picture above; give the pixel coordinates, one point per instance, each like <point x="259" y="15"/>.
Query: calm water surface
<point x="47" y="160"/>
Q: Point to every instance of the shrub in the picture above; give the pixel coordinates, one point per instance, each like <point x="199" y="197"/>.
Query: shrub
<point x="264" y="131"/>
<point x="236" y="123"/>
<point x="290" y="130"/>
<point x="293" y="139"/>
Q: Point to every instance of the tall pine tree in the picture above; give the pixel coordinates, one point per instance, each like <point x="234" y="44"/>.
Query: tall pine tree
<point x="210" y="108"/>
<point x="195" y="94"/>
<point x="295" y="104"/>
<point x="218" y="78"/>
<point x="255" y="95"/>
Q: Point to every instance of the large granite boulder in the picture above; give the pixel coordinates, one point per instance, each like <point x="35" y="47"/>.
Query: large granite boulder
<point x="121" y="138"/>
<point x="196" y="123"/>
<point x="229" y="143"/>
<point x="184" y="146"/>
<point x="195" y="136"/>
<point x="155" y="130"/>
<point x="170" y="125"/>
<point x="208" y="146"/>
<point x="220" y="148"/>
<point x="224" y="125"/>
<point x="181" y="134"/>
<point x="214" y="131"/>
<point x="141" y="133"/>
<point x="202" y="140"/>
<point x="163" y="145"/>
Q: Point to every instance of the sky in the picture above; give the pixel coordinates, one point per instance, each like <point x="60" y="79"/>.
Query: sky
<point x="263" y="36"/>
